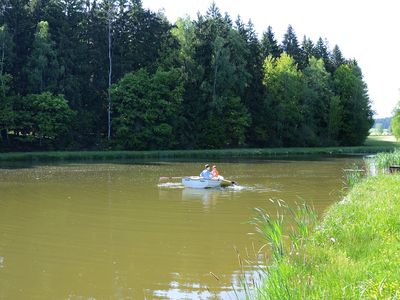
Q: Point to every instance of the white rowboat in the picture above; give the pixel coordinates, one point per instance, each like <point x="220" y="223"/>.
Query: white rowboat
<point x="197" y="182"/>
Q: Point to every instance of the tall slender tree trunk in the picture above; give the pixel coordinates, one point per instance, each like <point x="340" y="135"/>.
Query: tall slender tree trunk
<point x="214" y="96"/>
<point x="109" y="70"/>
<point x="3" y="46"/>
<point x="215" y="83"/>
<point x="3" y="131"/>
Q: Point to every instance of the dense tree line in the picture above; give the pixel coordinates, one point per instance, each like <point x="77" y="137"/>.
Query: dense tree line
<point x="204" y="83"/>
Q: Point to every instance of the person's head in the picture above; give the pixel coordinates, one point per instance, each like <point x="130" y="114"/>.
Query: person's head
<point x="214" y="167"/>
<point x="207" y="166"/>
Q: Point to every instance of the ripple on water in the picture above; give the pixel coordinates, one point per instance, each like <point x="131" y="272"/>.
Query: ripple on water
<point x="171" y="185"/>
<point x="233" y="188"/>
<point x="252" y="188"/>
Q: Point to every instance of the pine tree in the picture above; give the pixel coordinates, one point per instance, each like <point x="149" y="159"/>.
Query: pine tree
<point x="42" y="67"/>
<point x="17" y="16"/>
<point x="308" y="47"/>
<point x="321" y="51"/>
<point x="253" y="96"/>
<point x="219" y="85"/>
<point x="356" y="107"/>
<point x="336" y="58"/>
<point x="290" y="45"/>
<point x="72" y="49"/>
<point x="269" y="45"/>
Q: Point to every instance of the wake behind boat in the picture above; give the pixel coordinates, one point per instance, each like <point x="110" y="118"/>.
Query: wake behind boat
<point x="197" y="182"/>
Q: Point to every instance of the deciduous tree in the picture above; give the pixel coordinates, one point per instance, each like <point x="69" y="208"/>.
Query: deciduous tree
<point x="145" y="109"/>
<point x="284" y="85"/>
<point x="395" y="122"/>
<point x="317" y="97"/>
<point x="45" y="117"/>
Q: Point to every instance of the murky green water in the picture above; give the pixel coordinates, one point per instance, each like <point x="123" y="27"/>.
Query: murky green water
<point x="114" y="231"/>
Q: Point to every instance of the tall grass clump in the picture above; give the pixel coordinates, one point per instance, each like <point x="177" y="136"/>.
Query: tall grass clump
<point x="384" y="160"/>
<point x="352" y="253"/>
<point x="353" y="175"/>
<point x="282" y="241"/>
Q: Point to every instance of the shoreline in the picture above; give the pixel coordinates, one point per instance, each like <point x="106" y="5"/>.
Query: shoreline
<point x="172" y="154"/>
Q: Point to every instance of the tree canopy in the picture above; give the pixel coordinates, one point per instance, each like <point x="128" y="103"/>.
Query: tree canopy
<point x="205" y="83"/>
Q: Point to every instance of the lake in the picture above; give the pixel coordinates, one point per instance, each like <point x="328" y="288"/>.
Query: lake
<point x="115" y="231"/>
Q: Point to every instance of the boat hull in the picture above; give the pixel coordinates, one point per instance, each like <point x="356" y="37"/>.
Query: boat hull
<point x="197" y="182"/>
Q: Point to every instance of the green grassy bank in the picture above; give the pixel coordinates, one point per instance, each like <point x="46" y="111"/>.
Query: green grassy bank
<point x="354" y="253"/>
<point x="382" y="140"/>
<point x="373" y="145"/>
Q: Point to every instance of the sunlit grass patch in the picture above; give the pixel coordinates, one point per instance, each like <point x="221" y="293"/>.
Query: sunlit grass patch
<point x="381" y="140"/>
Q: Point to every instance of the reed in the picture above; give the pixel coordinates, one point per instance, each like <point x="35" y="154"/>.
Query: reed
<point x="384" y="160"/>
<point x="281" y="242"/>
<point x="353" y="176"/>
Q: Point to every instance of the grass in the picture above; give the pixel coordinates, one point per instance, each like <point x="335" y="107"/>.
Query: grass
<point x="373" y="145"/>
<point x="354" y="175"/>
<point x="382" y="140"/>
<point x="385" y="160"/>
<point x="353" y="253"/>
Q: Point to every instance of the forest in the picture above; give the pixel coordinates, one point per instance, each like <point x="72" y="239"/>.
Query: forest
<point x="113" y="75"/>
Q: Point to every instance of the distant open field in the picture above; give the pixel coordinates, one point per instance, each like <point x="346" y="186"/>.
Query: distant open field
<point x="382" y="140"/>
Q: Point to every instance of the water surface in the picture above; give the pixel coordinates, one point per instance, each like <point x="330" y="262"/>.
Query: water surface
<point x="114" y="231"/>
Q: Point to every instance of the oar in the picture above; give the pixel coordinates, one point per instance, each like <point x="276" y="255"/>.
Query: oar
<point x="229" y="182"/>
